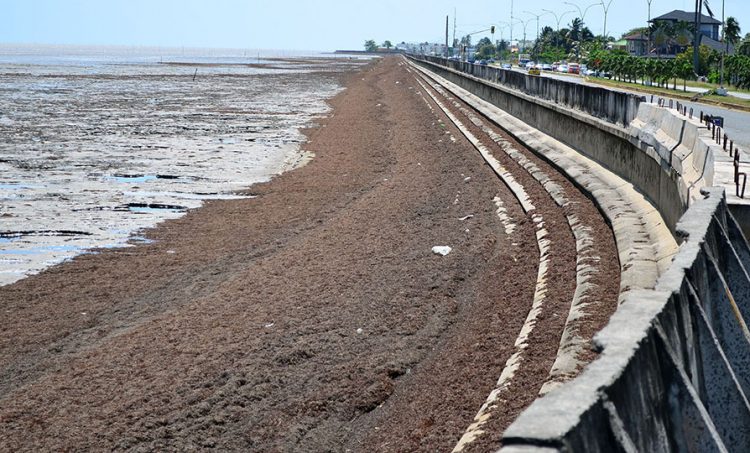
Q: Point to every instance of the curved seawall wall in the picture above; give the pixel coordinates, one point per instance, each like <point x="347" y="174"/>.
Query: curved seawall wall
<point x="619" y="130"/>
<point x="674" y="367"/>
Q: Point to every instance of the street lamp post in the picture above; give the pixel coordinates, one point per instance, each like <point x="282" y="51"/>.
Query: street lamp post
<point x="648" y="23"/>
<point x="511" y="22"/>
<point x="502" y="27"/>
<point x="537" y="21"/>
<point x="558" y="19"/>
<point x="582" y="13"/>
<point x="524" y="32"/>
<point x="606" y="10"/>
<point x="583" y="18"/>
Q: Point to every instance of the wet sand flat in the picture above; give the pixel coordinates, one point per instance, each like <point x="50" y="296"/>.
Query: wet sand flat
<point x="92" y="154"/>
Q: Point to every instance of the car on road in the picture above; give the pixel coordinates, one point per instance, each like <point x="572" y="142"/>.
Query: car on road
<point x="574" y="68"/>
<point x="507" y="66"/>
<point x="535" y="71"/>
<point x="483" y="62"/>
<point x="546" y="67"/>
<point x="563" y="68"/>
<point x="530" y="65"/>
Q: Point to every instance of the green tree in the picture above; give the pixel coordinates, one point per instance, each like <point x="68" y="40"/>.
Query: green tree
<point x="575" y="36"/>
<point x="502" y="48"/>
<point x="682" y="33"/>
<point x="387" y="44"/>
<point x="738" y="68"/>
<point x="744" y="47"/>
<point x="574" y="32"/>
<point x="684" y="68"/>
<point x="485" y="49"/>
<point x="732" y="32"/>
<point x="371" y="46"/>
<point x="661" y="33"/>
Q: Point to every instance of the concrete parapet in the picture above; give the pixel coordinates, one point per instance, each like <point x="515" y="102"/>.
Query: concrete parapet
<point x="613" y="106"/>
<point x="671" y="375"/>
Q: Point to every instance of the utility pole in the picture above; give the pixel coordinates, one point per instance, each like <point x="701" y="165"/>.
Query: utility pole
<point x="724" y="50"/>
<point x="446" y="36"/>
<point x="697" y="40"/>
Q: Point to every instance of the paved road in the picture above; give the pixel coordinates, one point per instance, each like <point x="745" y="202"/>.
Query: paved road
<point x="736" y="122"/>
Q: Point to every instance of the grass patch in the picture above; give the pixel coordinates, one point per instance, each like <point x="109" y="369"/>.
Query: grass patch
<point x="713" y="86"/>
<point x="723" y="101"/>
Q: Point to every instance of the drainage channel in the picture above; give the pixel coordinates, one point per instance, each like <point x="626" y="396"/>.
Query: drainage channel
<point x="574" y="297"/>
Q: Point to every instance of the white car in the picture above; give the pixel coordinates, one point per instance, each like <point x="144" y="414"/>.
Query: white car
<point x="530" y="65"/>
<point x="563" y="68"/>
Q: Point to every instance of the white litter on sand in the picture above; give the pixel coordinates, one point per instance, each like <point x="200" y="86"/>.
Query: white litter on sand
<point x="441" y="250"/>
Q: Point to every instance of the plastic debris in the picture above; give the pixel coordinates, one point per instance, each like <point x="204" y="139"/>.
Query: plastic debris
<point x="441" y="250"/>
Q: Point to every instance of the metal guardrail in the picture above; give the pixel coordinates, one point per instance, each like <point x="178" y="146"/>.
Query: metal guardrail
<point x="721" y="138"/>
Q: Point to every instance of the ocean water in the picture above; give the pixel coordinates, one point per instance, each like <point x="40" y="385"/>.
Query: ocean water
<point x="99" y="144"/>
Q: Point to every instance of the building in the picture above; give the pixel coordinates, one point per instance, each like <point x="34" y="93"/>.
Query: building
<point x="636" y="43"/>
<point x="709" y="25"/>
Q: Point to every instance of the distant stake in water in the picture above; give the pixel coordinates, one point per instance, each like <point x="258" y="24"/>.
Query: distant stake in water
<point x="195" y="74"/>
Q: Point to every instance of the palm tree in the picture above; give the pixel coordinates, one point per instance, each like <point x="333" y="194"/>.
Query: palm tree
<point x="699" y="4"/>
<point x="661" y="33"/>
<point x="574" y="35"/>
<point x="575" y="29"/>
<point x="682" y="33"/>
<point x="732" y="32"/>
<point x="744" y="47"/>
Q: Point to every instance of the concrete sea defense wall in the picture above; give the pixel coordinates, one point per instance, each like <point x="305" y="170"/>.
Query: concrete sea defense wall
<point x="596" y="121"/>
<point x="672" y="374"/>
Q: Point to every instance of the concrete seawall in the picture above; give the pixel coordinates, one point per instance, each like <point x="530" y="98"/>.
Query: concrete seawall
<point x="595" y="121"/>
<point x="672" y="374"/>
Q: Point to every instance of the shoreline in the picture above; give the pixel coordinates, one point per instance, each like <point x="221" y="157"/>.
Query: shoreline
<point x="110" y="175"/>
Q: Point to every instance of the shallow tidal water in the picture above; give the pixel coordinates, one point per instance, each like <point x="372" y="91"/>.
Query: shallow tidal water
<point x="93" y="153"/>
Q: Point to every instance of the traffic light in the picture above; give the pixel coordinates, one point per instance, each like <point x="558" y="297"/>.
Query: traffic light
<point x="492" y="29"/>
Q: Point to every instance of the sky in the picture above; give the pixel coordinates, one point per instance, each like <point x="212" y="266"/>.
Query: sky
<point x="322" y="25"/>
